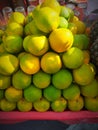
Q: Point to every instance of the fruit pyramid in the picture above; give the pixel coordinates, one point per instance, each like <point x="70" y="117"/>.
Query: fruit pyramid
<point x="45" y="62"/>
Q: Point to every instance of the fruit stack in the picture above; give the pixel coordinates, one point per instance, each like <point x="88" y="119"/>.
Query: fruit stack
<point x="45" y="62"/>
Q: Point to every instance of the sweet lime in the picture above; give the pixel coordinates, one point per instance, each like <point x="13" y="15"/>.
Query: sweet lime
<point x="32" y="93"/>
<point x="41" y="79"/>
<point x="65" y="81"/>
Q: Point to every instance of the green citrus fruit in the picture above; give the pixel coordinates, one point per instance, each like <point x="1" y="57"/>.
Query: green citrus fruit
<point x="21" y="80"/>
<point x="59" y="105"/>
<point x="65" y="81"/>
<point x="73" y="58"/>
<point x="51" y="93"/>
<point x="41" y="79"/>
<point x="32" y="93"/>
<point x="72" y="92"/>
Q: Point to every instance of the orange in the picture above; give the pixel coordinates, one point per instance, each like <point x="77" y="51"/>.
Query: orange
<point x="51" y="62"/>
<point x="29" y="63"/>
<point x="61" y="39"/>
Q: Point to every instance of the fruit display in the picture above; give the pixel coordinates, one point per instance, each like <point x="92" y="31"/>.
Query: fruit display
<point x="45" y="62"/>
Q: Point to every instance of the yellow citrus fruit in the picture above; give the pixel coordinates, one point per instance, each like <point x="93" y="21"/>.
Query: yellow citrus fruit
<point x="63" y="23"/>
<point x="13" y="44"/>
<point x="21" y="80"/>
<point x="12" y="94"/>
<point x="14" y="28"/>
<point x="5" y="81"/>
<point x="76" y="105"/>
<point x="17" y="17"/>
<point x="86" y="56"/>
<point x="84" y="74"/>
<point x="41" y="79"/>
<point x="65" y="81"/>
<point x="36" y="45"/>
<point x="46" y="19"/>
<point x="51" y="62"/>
<point x="51" y="93"/>
<point x="29" y="63"/>
<point x="24" y="106"/>
<point x="41" y="105"/>
<point x="75" y="18"/>
<point x="32" y="93"/>
<point x="7" y="106"/>
<point x="8" y="64"/>
<point x="73" y="58"/>
<point x="72" y="27"/>
<point x="61" y="39"/>
<point x="59" y="105"/>
<point x="54" y="4"/>
<point x="81" y="27"/>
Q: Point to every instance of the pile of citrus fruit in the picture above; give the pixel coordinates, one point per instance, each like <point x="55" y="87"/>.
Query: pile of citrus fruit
<point x="45" y="62"/>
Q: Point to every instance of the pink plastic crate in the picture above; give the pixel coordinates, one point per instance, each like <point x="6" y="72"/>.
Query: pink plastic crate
<point x="67" y="116"/>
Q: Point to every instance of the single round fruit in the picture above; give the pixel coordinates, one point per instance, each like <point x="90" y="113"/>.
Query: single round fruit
<point x="59" y="105"/>
<point x="72" y="92"/>
<point x="81" y="27"/>
<point x="29" y="63"/>
<point x="24" y="106"/>
<point x="12" y="94"/>
<point x="63" y="23"/>
<point x="72" y="27"/>
<point x="41" y="105"/>
<point x="41" y="79"/>
<point x="5" y="81"/>
<point x="51" y="62"/>
<point x="7" y="106"/>
<point x="36" y="45"/>
<point x="51" y="93"/>
<point x="17" y="17"/>
<point x="21" y="80"/>
<point x="91" y="104"/>
<point x="13" y="44"/>
<point x="14" y="28"/>
<point x="61" y="39"/>
<point x="83" y="75"/>
<point x="90" y="90"/>
<point x="8" y="64"/>
<point x="73" y="58"/>
<point x="76" y="105"/>
<point x="32" y="93"/>
<point x="65" y="81"/>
